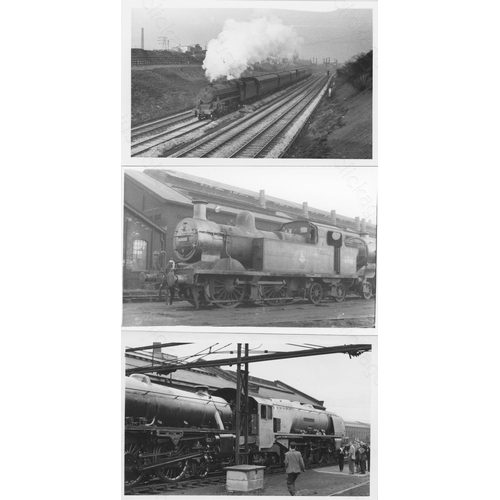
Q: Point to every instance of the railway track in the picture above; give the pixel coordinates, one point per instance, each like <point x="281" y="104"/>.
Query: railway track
<point x="256" y="136"/>
<point x="150" y="135"/>
<point x="144" y="128"/>
<point x="219" y="477"/>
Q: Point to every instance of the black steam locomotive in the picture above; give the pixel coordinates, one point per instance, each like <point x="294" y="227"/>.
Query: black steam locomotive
<point x="218" y="99"/>
<point x="228" y="265"/>
<point x="170" y="433"/>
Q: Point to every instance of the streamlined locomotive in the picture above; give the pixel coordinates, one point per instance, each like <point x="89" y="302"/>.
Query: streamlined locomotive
<point x="228" y="265"/>
<point x="171" y="433"/>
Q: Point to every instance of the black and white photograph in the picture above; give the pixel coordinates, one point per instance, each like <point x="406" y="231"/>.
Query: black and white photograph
<point x="250" y="246"/>
<point x="293" y="80"/>
<point x="232" y="417"/>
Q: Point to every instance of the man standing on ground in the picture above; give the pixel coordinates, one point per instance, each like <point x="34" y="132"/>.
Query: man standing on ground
<point x="352" y="457"/>
<point x="294" y="464"/>
<point x="340" y="456"/>
<point x="362" y="458"/>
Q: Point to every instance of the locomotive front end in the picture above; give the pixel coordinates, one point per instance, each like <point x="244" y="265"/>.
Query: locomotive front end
<point x="197" y="237"/>
<point x="206" y="102"/>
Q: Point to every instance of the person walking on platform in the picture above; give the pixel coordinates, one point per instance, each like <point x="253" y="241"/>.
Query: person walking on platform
<point x="352" y="457"/>
<point x="368" y="457"/>
<point x="294" y="464"/>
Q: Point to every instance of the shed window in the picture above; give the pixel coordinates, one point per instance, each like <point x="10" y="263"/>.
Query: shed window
<point x="139" y="255"/>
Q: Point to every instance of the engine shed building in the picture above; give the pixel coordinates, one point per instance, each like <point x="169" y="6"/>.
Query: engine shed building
<point x="214" y="378"/>
<point x="159" y="199"/>
<point x="357" y="430"/>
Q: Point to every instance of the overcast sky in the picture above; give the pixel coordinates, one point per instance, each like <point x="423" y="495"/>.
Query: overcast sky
<point x="338" y="32"/>
<point x="344" y="384"/>
<point x="351" y="191"/>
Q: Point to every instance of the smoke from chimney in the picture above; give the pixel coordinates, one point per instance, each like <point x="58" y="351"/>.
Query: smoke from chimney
<point x="241" y="44"/>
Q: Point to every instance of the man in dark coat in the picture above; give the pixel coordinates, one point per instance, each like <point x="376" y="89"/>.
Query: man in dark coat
<point x="362" y="458"/>
<point x="340" y="457"/>
<point x="294" y="464"/>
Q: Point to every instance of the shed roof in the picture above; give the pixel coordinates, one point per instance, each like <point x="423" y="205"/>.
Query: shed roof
<point x="217" y="378"/>
<point x="144" y="218"/>
<point x="225" y="189"/>
<point x="163" y="191"/>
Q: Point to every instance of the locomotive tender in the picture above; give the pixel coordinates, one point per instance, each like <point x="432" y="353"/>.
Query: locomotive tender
<point x="227" y="265"/>
<point x="170" y="433"/>
<point x="218" y="99"/>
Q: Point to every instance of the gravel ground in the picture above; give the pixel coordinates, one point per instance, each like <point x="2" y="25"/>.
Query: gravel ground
<point x="353" y="312"/>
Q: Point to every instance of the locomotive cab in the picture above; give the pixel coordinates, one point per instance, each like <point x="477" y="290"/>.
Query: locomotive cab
<point x="303" y="228"/>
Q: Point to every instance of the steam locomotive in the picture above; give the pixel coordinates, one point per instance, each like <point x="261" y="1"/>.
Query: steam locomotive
<point x="218" y="99"/>
<point x="229" y="265"/>
<point x="171" y="433"/>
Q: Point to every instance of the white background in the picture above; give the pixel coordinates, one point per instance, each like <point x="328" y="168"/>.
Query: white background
<point x="438" y="252"/>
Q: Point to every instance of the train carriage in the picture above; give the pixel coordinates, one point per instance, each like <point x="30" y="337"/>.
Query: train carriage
<point x="285" y="78"/>
<point x="267" y="84"/>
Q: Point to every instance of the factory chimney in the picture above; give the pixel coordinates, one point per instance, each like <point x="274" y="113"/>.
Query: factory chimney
<point x="142" y="38"/>
<point x="262" y="199"/>
<point x="200" y="209"/>
<point x="333" y="217"/>
<point x="305" y="210"/>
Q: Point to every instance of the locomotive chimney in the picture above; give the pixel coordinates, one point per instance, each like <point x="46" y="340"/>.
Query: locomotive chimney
<point x="333" y="217"/>
<point x="157" y="350"/>
<point x="262" y="199"/>
<point x="202" y="390"/>
<point x="305" y="210"/>
<point x="363" y="225"/>
<point x="200" y="209"/>
<point x="357" y="225"/>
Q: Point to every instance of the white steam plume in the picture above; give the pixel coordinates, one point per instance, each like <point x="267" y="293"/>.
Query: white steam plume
<point x="241" y="44"/>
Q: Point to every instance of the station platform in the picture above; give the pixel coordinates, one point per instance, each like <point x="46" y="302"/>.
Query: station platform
<point x="325" y="481"/>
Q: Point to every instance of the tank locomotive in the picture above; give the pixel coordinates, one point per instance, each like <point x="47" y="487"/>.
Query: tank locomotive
<point x="218" y="99"/>
<point x="228" y="265"/>
<point x="171" y="433"/>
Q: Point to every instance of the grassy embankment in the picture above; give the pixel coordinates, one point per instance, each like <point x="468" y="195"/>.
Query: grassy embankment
<point x="341" y="126"/>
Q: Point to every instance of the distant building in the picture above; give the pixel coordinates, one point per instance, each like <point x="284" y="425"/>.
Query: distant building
<point x="357" y="430"/>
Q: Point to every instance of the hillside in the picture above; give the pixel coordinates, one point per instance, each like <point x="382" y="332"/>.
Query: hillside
<point x="159" y="91"/>
<point x="340" y="127"/>
<point x="165" y="90"/>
